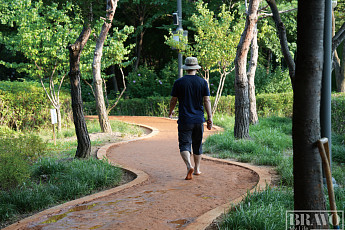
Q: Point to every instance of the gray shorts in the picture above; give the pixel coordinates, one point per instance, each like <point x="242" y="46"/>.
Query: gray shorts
<point x="190" y="136"/>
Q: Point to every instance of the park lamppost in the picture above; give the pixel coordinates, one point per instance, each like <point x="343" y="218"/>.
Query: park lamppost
<point x="179" y="31"/>
<point x="326" y="89"/>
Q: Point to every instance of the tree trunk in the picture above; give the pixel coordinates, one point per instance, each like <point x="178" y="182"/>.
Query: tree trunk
<point x="96" y="68"/>
<point x="115" y="85"/>
<point x="139" y="45"/>
<point x="84" y="144"/>
<point x="307" y="171"/>
<point x="59" y="119"/>
<point x="241" y="129"/>
<point x="253" y="115"/>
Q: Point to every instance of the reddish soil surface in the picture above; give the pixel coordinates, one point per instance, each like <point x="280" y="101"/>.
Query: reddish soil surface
<point x="159" y="198"/>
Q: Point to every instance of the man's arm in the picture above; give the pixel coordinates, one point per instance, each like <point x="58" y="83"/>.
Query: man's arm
<point x="207" y="104"/>
<point x="173" y="102"/>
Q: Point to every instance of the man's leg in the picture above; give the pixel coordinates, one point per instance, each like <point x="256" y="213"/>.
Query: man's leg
<point x="197" y="160"/>
<point x="197" y="146"/>
<point x="185" y="142"/>
<point x="186" y="158"/>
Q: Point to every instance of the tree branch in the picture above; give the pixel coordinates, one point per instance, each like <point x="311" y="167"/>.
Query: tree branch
<point x="118" y="99"/>
<point x="93" y="92"/>
<point x="45" y="90"/>
<point x="338" y="38"/>
<point x="265" y="15"/>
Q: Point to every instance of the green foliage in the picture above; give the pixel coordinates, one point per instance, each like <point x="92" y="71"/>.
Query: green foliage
<point x="216" y="38"/>
<point x="273" y="82"/>
<point x="338" y="147"/>
<point x="261" y="210"/>
<point x="145" y="83"/>
<point x="54" y="181"/>
<point x="267" y="36"/>
<point x="115" y="50"/>
<point x="23" y="106"/>
<point x="41" y="36"/>
<point x="16" y="156"/>
<point x="338" y="111"/>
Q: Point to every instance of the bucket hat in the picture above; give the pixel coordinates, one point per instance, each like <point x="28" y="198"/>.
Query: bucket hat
<point x="191" y="63"/>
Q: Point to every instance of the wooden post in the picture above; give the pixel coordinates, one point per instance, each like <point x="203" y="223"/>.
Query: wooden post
<point x="54" y="134"/>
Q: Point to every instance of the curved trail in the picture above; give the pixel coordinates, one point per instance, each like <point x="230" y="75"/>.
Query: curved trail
<point x="159" y="198"/>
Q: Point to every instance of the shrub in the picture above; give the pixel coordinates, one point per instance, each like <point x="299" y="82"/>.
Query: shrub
<point x="145" y="83"/>
<point x="338" y="112"/>
<point x="24" y="105"/>
<point x="16" y="155"/>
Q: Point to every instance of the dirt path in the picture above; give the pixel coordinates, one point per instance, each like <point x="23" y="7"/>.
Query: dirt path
<point x="159" y="198"/>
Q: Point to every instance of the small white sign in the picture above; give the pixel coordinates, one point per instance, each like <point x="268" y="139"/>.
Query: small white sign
<point x="54" y="116"/>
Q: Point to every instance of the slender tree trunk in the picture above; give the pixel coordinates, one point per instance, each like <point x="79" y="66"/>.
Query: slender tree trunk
<point x="282" y="38"/>
<point x="84" y="144"/>
<point x="139" y="44"/>
<point x="269" y="57"/>
<point x="241" y="129"/>
<point x="115" y="85"/>
<point x="253" y="115"/>
<point x="59" y="119"/>
<point x="96" y="68"/>
<point x="223" y="75"/>
<point x="308" y="186"/>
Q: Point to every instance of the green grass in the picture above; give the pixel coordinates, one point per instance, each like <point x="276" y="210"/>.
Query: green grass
<point x="270" y="144"/>
<point x="43" y="175"/>
<point x="54" y="181"/>
<point x="260" y="210"/>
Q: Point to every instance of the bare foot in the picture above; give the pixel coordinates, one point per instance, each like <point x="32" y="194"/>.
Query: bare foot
<point x="189" y="174"/>
<point x="197" y="173"/>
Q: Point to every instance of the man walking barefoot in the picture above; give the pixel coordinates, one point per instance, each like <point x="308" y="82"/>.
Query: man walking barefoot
<point x="191" y="91"/>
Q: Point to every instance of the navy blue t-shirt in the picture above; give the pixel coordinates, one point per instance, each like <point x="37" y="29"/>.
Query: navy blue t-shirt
<point x="190" y="91"/>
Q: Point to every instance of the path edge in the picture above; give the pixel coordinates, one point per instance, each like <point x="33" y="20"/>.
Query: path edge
<point x="206" y="219"/>
<point x="101" y="154"/>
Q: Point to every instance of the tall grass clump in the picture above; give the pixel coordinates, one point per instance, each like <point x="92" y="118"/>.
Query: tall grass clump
<point x="261" y="210"/>
<point x="54" y="181"/>
<point x="17" y="154"/>
<point x="269" y="143"/>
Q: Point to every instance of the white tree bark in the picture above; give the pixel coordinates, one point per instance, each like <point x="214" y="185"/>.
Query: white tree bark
<point x="96" y="68"/>
<point x="241" y="129"/>
<point x="254" y="53"/>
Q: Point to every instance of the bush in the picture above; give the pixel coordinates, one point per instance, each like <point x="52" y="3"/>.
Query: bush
<point x="16" y="155"/>
<point x="338" y="112"/>
<point x="273" y="82"/>
<point x="24" y="105"/>
<point x="145" y="83"/>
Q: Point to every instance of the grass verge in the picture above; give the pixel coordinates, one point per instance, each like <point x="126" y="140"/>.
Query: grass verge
<point x="270" y="144"/>
<point x="43" y="175"/>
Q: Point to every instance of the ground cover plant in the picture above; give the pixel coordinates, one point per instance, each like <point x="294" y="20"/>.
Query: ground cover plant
<point x="35" y="174"/>
<point x="270" y="144"/>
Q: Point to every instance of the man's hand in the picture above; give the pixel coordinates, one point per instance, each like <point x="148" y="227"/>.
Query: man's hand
<point x="173" y="102"/>
<point x="171" y="114"/>
<point x="209" y="124"/>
